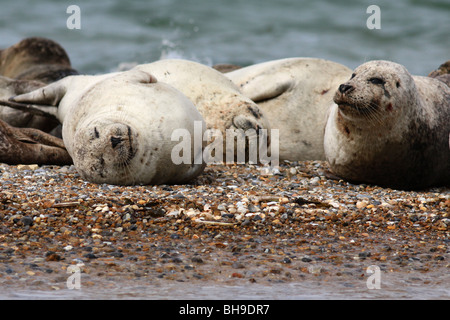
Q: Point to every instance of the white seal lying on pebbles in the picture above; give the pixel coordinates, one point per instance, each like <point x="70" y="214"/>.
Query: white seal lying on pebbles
<point x="390" y="128"/>
<point x="219" y="101"/>
<point x="25" y="66"/>
<point x="295" y="94"/>
<point x="117" y="127"/>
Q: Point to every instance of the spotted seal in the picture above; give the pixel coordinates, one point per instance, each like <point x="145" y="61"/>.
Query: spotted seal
<point x="295" y="94"/>
<point x="221" y="104"/>
<point x="390" y="128"/>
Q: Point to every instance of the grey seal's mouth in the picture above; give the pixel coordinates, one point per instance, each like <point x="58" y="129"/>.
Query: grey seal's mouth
<point x="348" y="106"/>
<point x="363" y="108"/>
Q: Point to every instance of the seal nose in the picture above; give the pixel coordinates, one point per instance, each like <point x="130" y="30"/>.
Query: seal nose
<point x="345" y="88"/>
<point x="115" y="141"/>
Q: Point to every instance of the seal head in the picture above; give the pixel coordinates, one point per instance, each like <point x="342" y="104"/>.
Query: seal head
<point x="108" y="151"/>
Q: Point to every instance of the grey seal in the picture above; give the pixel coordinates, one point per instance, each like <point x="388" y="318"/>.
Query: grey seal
<point x="295" y="95"/>
<point x="390" y="128"/>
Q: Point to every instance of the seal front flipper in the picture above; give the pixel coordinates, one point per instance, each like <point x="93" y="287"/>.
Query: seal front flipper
<point x="43" y="101"/>
<point x="32" y="135"/>
<point x="21" y="146"/>
<point x="48" y="95"/>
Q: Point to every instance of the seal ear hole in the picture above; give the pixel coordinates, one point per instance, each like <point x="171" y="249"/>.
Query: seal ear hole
<point x="397" y="84"/>
<point x="97" y="135"/>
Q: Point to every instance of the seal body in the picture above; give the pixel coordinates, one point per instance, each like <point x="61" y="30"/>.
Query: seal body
<point x="29" y="64"/>
<point x="36" y="59"/>
<point x="31" y="146"/>
<point x="295" y="94"/>
<point x="390" y="128"/>
<point x="218" y="100"/>
<point x="442" y="73"/>
<point x="117" y="127"/>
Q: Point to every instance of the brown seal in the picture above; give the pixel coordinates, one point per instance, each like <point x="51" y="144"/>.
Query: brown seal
<point x="390" y="128"/>
<point x="442" y="73"/>
<point x="226" y="67"/>
<point x="31" y="63"/>
<point x="36" y="59"/>
<point x="31" y="146"/>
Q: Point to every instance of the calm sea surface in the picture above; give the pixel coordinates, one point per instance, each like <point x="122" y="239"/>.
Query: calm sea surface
<point x="415" y="33"/>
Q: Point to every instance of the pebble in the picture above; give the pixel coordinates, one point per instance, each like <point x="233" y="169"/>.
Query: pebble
<point x="230" y="219"/>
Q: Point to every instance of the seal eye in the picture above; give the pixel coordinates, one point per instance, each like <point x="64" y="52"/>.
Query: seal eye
<point x="377" y="81"/>
<point x="353" y="75"/>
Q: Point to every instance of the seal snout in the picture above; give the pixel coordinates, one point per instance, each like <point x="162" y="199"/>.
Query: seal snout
<point x="115" y="141"/>
<point x="346" y="88"/>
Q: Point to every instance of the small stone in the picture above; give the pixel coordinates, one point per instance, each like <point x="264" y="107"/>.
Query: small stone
<point x="27" y="221"/>
<point x="238" y="265"/>
<point x="52" y="257"/>
<point x="197" y="260"/>
<point x="314" y="269"/>
<point x="286" y="260"/>
<point x="116" y="254"/>
<point x="284" y="200"/>
<point x="361" y="204"/>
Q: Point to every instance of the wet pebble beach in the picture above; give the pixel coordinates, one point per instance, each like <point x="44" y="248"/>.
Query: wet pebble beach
<point x="235" y="226"/>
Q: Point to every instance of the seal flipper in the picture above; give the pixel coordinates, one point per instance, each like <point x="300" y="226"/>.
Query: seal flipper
<point x="43" y="101"/>
<point x="264" y="86"/>
<point x="31" y="135"/>
<point x="49" y="95"/>
<point x="40" y="110"/>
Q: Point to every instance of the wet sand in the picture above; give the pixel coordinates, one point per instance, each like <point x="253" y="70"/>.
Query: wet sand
<point x="234" y="233"/>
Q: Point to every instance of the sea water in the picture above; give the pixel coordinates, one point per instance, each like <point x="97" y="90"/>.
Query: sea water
<point x="114" y="33"/>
